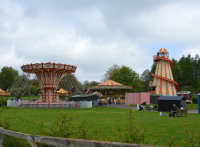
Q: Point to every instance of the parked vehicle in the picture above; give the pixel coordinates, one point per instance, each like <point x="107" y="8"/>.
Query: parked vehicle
<point x="186" y="94"/>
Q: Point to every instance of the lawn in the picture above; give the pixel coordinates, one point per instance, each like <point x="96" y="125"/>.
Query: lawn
<point x="161" y="130"/>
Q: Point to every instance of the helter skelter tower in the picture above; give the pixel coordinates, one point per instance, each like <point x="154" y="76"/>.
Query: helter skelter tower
<point x="163" y="82"/>
<point x="49" y="75"/>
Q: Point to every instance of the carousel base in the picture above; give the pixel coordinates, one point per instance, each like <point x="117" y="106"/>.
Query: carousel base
<point x="55" y="105"/>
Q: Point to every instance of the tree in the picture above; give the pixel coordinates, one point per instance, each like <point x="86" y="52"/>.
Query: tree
<point x="124" y="75"/>
<point x="94" y="83"/>
<point x="127" y="76"/>
<point x="7" y="76"/>
<point x="153" y="69"/>
<point x="145" y="79"/>
<point x="86" y="84"/>
<point x="113" y="72"/>
<point x="177" y="72"/>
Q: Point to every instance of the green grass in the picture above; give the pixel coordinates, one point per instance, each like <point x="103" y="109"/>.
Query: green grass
<point x="161" y="128"/>
<point x="192" y="106"/>
<point x="24" y="98"/>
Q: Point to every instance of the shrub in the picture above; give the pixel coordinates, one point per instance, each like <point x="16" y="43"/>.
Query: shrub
<point x="3" y="102"/>
<point x="194" y="100"/>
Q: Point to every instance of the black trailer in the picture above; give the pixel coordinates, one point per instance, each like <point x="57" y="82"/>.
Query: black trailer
<point x="86" y="97"/>
<point x="165" y="103"/>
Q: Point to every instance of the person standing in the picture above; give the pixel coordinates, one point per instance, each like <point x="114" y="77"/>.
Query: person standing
<point x="114" y="101"/>
<point x="108" y="100"/>
<point x="119" y="100"/>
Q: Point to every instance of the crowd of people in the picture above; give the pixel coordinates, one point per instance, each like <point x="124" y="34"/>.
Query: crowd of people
<point x="113" y="100"/>
<point x="144" y="107"/>
<point x="17" y="101"/>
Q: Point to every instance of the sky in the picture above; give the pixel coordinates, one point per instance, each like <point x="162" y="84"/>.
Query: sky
<point x="94" y="35"/>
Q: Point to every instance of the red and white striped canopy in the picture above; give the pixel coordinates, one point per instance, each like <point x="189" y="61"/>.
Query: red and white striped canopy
<point x="110" y="82"/>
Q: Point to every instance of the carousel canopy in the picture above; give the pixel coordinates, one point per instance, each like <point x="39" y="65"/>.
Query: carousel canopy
<point x="3" y="93"/>
<point x="62" y="91"/>
<point x="110" y="84"/>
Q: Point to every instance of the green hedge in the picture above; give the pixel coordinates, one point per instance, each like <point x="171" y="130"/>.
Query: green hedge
<point x="3" y="102"/>
<point x="194" y="100"/>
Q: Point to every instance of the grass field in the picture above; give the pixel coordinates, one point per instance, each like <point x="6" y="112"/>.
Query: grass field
<point x="105" y="123"/>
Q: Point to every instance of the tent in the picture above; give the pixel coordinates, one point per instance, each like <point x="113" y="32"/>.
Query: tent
<point x="154" y="98"/>
<point x="165" y="103"/>
<point x="87" y="97"/>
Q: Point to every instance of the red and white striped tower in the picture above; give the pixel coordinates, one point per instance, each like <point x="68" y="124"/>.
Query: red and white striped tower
<point x="163" y="82"/>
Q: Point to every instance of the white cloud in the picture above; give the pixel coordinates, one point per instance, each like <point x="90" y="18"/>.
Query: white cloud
<point x="94" y="35"/>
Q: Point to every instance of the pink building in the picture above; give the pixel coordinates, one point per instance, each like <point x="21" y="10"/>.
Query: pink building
<point x="137" y="98"/>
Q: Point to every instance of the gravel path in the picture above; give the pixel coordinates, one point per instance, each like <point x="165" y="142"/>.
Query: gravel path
<point x="122" y="106"/>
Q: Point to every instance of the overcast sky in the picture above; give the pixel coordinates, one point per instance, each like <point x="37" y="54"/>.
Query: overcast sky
<point x="95" y="34"/>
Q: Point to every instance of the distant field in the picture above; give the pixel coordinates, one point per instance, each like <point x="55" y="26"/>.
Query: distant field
<point x="106" y="120"/>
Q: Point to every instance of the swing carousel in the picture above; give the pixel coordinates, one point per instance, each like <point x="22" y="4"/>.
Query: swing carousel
<point x="49" y="75"/>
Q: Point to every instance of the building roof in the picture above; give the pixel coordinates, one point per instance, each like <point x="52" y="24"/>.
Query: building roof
<point x="110" y="82"/>
<point x="163" y="50"/>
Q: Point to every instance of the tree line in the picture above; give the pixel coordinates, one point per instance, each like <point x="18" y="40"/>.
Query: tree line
<point x="186" y="72"/>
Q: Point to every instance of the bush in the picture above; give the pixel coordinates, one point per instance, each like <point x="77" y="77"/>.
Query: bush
<point x="3" y="102"/>
<point x="194" y="100"/>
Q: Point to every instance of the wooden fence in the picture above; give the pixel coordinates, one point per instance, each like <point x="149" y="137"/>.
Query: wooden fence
<point x="62" y="142"/>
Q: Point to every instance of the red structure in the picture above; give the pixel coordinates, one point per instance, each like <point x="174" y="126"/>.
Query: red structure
<point x="49" y="75"/>
<point x="163" y="83"/>
<point x="186" y="94"/>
